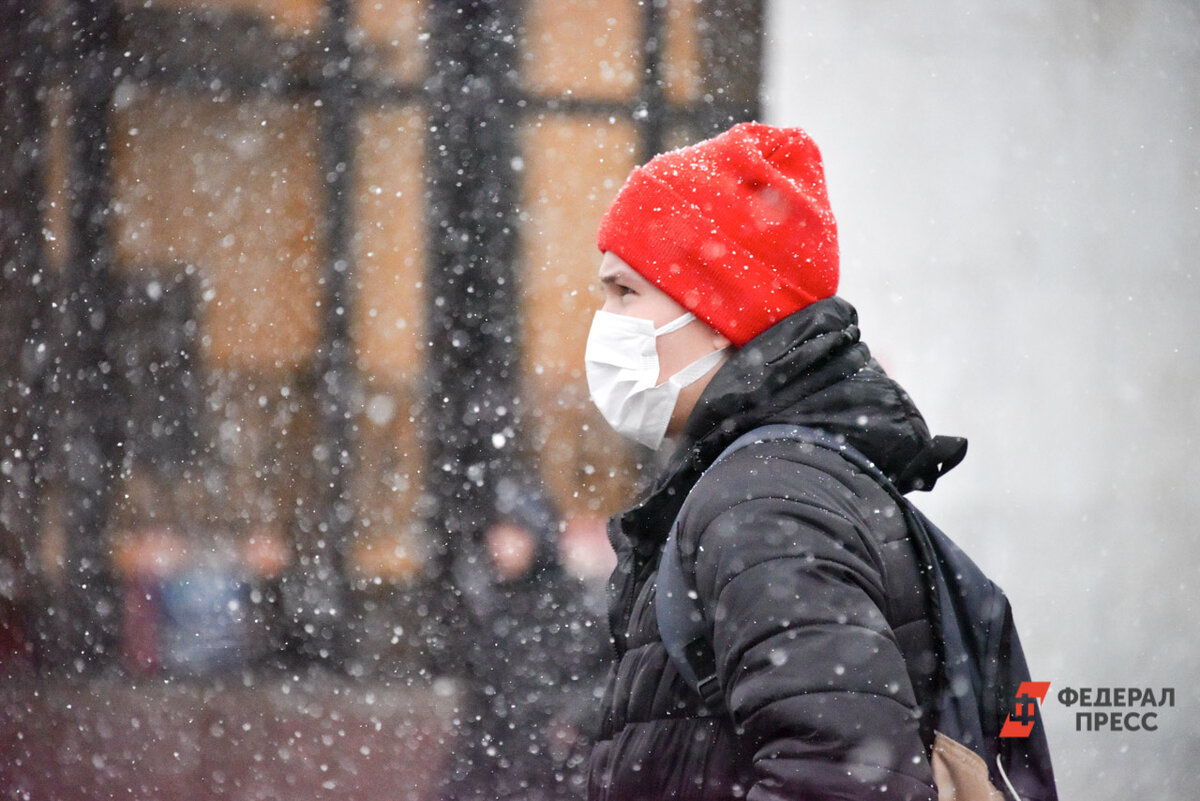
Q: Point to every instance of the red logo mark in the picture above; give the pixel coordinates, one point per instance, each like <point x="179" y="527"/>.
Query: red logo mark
<point x="1020" y="722"/>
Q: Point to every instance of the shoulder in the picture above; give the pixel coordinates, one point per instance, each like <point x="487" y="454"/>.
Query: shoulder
<point x="784" y="498"/>
<point x="785" y="474"/>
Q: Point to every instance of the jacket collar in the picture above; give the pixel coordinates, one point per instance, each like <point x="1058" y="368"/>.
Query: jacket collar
<point x="808" y="369"/>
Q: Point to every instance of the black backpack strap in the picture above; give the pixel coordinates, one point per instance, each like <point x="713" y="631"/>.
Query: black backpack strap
<point x="682" y="627"/>
<point x="681" y="622"/>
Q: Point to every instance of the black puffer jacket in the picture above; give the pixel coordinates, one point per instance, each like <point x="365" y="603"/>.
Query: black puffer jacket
<point x="804" y="570"/>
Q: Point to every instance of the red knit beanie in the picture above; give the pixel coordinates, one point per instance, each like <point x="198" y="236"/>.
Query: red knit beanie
<point x="737" y="228"/>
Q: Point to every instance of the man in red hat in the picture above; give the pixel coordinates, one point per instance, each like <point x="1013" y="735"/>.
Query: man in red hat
<point x="719" y="273"/>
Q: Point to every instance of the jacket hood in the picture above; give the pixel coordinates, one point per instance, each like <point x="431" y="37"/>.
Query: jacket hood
<point x="809" y="369"/>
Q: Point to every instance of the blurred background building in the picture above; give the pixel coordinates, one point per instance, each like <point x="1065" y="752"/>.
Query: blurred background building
<point x="289" y="286"/>
<point x="301" y="278"/>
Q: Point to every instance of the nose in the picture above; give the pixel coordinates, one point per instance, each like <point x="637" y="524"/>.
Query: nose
<point x="610" y="305"/>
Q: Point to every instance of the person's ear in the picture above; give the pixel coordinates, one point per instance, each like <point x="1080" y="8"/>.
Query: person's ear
<point x="720" y="342"/>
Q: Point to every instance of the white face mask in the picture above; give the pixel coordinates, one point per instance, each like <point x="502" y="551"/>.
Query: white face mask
<point x="621" y="361"/>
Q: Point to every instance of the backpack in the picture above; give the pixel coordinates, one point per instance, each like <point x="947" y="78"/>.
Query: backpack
<point x="981" y="672"/>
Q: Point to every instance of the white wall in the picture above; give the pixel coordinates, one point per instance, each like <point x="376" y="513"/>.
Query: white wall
<point x="1017" y="185"/>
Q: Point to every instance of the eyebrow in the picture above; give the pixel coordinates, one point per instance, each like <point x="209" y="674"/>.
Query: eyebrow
<point x="614" y="277"/>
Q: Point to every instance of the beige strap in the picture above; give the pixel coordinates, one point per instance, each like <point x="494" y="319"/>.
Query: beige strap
<point x="960" y="773"/>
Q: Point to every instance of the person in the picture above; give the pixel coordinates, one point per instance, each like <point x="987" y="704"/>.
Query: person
<point x="719" y="274"/>
<point x="535" y="655"/>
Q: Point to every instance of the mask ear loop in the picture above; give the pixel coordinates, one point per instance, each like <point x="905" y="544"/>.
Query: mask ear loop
<point x="691" y="374"/>
<point x="674" y="325"/>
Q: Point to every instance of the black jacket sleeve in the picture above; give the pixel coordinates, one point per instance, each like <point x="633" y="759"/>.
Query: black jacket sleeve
<point x="787" y="572"/>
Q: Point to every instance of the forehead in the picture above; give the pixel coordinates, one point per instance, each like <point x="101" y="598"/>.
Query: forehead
<point x="613" y="268"/>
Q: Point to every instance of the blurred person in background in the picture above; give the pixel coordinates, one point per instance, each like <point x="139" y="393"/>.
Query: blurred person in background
<point x="536" y="651"/>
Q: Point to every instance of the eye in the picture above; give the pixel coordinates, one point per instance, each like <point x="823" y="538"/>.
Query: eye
<point x="616" y="289"/>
